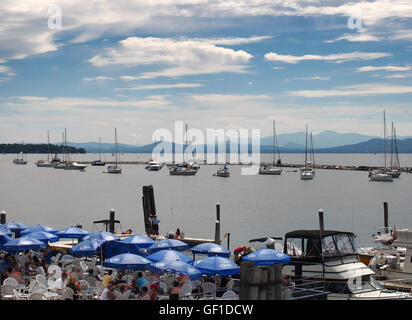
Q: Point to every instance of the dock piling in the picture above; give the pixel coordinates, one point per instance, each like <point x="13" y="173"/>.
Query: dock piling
<point x="385" y="217"/>
<point x="111" y="221"/>
<point x="2" y="217"/>
<point x="217" y="224"/>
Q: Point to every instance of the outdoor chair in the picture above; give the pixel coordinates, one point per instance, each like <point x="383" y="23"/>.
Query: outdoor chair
<point x="229" y="295"/>
<point x="91" y="281"/>
<point x="41" y="279"/>
<point x="10" y="281"/>
<point x="37" y="296"/>
<point x="185" y="290"/>
<point x="128" y="278"/>
<point x="67" y="293"/>
<point x="39" y="288"/>
<point x="56" y="258"/>
<point x="8" y="292"/>
<point x="230" y="284"/>
<point x="209" y="289"/>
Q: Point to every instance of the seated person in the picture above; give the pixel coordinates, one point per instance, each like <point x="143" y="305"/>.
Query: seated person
<point x="122" y="291"/>
<point x="108" y="292"/>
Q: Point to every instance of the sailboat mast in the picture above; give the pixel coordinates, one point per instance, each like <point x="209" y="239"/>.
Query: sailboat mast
<point x="391" y="161"/>
<point x="115" y="143"/>
<point x="306" y="148"/>
<point x="397" y="162"/>
<point x="100" y="148"/>
<point x="48" y="146"/>
<point x="312" y="154"/>
<point x="384" y="136"/>
<point x="274" y="142"/>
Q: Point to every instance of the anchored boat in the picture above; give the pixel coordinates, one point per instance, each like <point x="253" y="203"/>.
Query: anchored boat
<point x="272" y="169"/>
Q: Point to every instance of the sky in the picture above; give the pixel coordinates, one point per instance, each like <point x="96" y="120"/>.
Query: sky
<point x="139" y="65"/>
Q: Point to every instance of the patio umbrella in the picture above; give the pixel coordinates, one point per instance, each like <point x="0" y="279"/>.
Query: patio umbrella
<point x="168" y="244"/>
<point x="43" y="236"/>
<point x="267" y="257"/>
<point x="38" y="227"/>
<point x="72" y="232"/>
<point x="4" y="238"/>
<point x="211" y="249"/>
<point x="169" y="255"/>
<point x="102" y="236"/>
<point x="14" y="226"/>
<point x="216" y="265"/>
<point x="127" y="261"/>
<point x="177" y="267"/>
<point x="139" y="241"/>
<point x="87" y="247"/>
<point x="22" y="244"/>
<point x="113" y="248"/>
<point x="5" y="232"/>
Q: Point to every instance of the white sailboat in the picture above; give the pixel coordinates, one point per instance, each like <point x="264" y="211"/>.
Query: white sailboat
<point x="21" y="158"/>
<point x="308" y="171"/>
<point x="99" y="162"/>
<point x="383" y="174"/>
<point x="115" y="168"/>
<point x="272" y="169"/>
<point x="185" y="169"/>
<point x="67" y="163"/>
<point x="46" y="163"/>
<point x="395" y="167"/>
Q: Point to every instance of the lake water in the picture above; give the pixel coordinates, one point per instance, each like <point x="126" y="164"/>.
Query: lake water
<point x="251" y="206"/>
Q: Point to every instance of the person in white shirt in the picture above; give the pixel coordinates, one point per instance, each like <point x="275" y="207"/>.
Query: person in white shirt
<point x="108" y="292"/>
<point x="123" y="291"/>
<point x="61" y="282"/>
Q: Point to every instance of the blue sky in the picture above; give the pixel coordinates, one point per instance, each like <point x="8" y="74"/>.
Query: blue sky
<point x="140" y="65"/>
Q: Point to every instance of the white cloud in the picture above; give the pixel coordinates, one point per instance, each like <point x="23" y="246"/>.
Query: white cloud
<point x="385" y="68"/>
<point x="98" y="78"/>
<point x="354" y="90"/>
<point x="179" y="57"/>
<point x="357" y="37"/>
<point x="163" y="86"/>
<point x="314" y="78"/>
<point x="338" y="57"/>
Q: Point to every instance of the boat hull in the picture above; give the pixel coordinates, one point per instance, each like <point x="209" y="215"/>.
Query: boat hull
<point x="182" y="172"/>
<point x="270" y="171"/>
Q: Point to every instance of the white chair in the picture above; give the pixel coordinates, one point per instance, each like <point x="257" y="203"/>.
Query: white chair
<point x="69" y="267"/>
<point x="8" y="292"/>
<point x="56" y="258"/>
<point x="163" y="287"/>
<point x="31" y="285"/>
<point x="67" y="293"/>
<point x="229" y="295"/>
<point x="185" y="290"/>
<point x="83" y="265"/>
<point x="67" y="257"/>
<point x="84" y="284"/>
<point x="163" y="298"/>
<point x="10" y="281"/>
<point x="39" y="288"/>
<point x="41" y="279"/>
<point x="40" y="270"/>
<point x="54" y="271"/>
<point x="230" y="284"/>
<point x="91" y="281"/>
<point x="128" y="278"/>
<point x="146" y="297"/>
<point x="209" y="289"/>
<point x="37" y="296"/>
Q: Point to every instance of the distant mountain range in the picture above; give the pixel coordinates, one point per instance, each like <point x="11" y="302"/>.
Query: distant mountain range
<point x="324" y="142"/>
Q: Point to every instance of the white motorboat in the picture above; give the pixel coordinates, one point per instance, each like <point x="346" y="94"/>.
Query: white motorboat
<point x="223" y="172"/>
<point x="154" y="166"/>
<point x="307" y="174"/>
<point x="332" y="260"/>
<point x="270" y="170"/>
<point x="114" y="168"/>
<point x="182" y="170"/>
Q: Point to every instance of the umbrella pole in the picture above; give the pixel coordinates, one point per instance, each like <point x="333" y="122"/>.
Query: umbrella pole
<point x="214" y="294"/>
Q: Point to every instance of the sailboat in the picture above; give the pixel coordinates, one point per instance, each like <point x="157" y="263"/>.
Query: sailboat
<point x="383" y="174"/>
<point x="46" y="163"/>
<point x="115" y="168"/>
<point x="67" y="163"/>
<point x="21" y="158"/>
<point x="99" y="162"/>
<point x="308" y="172"/>
<point x="185" y="169"/>
<point x="272" y="169"/>
<point x="395" y="168"/>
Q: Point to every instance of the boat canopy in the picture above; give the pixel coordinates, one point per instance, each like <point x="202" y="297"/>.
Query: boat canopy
<point x="305" y="245"/>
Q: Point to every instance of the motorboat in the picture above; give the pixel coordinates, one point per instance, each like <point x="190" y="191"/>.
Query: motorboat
<point x="331" y="260"/>
<point x="306" y="174"/>
<point x="154" y="166"/>
<point x="223" y="172"/>
<point x="182" y="170"/>
<point x="270" y="170"/>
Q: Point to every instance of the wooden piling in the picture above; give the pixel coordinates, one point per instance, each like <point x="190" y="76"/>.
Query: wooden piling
<point x="149" y="207"/>
<point x="385" y="217"/>
<point x="111" y="221"/>
<point x="2" y="217"/>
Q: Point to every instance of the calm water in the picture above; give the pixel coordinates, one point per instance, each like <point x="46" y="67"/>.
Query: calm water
<point x="251" y="206"/>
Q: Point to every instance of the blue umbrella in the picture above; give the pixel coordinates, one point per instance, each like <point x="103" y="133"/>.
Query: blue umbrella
<point x="220" y="266"/>
<point x="211" y="249"/>
<point x="72" y="232"/>
<point x="113" y="248"/>
<point x="86" y="248"/>
<point x="4" y="238"/>
<point x="22" y="244"/>
<point x="267" y="257"/>
<point x="43" y="236"/>
<point x="169" y="255"/>
<point x="176" y="266"/>
<point x="168" y="244"/>
<point x="127" y="261"/>
<point x="102" y="236"/>
<point x="14" y="226"/>
<point x="38" y="227"/>
<point x="5" y="232"/>
<point x="139" y="241"/>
